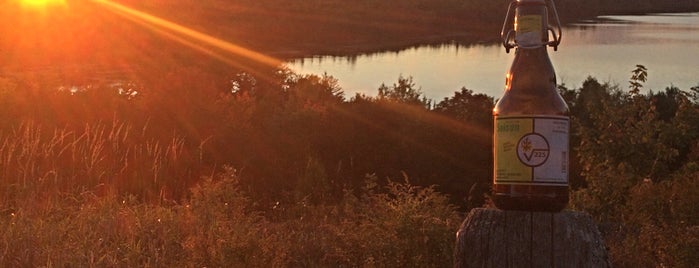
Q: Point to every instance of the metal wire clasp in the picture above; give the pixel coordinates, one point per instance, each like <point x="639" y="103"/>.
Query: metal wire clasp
<point x="553" y="31"/>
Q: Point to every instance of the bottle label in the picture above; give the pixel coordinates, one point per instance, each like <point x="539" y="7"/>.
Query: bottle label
<point x="531" y="150"/>
<point x="528" y="29"/>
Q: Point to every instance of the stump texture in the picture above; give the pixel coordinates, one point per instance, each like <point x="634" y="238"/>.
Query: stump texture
<point x="497" y="238"/>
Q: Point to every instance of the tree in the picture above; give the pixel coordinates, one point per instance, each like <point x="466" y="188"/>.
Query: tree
<point x="405" y="91"/>
<point x="638" y="155"/>
<point x="638" y="77"/>
<point x="468" y="107"/>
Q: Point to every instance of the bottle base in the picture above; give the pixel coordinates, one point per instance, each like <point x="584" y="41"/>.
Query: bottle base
<point x="530" y="198"/>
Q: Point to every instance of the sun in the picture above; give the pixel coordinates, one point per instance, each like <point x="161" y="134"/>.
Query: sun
<point x="41" y="3"/>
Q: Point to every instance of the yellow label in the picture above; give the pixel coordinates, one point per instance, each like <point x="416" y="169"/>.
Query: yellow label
<point x="531" y="150"/>
<point x="507" y="165"/>
<point x="528" y="23"/>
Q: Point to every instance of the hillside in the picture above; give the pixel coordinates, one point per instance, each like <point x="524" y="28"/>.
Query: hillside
<point x="292" y="28"/>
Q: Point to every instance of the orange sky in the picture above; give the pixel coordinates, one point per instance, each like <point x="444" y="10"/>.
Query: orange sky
<point x="75" y="40"/>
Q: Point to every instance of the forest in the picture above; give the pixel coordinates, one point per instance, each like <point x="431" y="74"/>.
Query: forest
<point x="199" y="163"/>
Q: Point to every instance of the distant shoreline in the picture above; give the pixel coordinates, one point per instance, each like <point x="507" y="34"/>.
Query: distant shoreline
<point x="296" y="29"/>
<point x="463" y="38"/>
<point x="393" y="46"/>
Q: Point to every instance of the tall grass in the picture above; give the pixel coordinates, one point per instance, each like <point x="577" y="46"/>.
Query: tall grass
<point x="102" y="158"/>
<point x="217" y="226"/>
<point x="106" y="195"/>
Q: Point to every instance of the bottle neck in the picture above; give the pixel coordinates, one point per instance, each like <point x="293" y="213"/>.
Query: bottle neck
<point x="531" y="23"/>
<point x="527" y="25"/>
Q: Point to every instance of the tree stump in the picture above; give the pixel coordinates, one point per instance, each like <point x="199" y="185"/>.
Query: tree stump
<point x="497" y="238"/>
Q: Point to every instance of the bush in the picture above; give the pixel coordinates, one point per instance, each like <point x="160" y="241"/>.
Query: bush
<point x="661" y="225"/>
<point x="637" y="154"/>
<point x="218" y="227"/>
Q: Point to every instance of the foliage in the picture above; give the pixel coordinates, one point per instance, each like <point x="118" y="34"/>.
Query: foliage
<point x="139" y="174"/>
<point x="103" y="157"/>
<point x="124" y="173"/>
<point x="660" y="225"/>
<point x="469" y="107"/>
<point x="404" y="91"/>
<point x="407" y="225"/>
<point x="638" y="77"/>
<point x="637" y="154"/>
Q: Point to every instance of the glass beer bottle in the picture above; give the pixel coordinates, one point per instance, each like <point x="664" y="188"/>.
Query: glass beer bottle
<point x="531" y="121"/>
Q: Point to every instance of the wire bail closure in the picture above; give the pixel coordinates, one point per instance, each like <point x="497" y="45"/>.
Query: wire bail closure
<point x="509" y="33"/>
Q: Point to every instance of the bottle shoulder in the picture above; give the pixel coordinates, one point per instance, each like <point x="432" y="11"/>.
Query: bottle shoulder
<point x="515" y="104"/>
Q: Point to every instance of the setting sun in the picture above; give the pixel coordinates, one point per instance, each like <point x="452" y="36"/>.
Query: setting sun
<point x="41" y="3"/>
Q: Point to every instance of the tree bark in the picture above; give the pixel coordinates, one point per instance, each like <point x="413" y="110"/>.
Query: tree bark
<point x="497" y="238"/>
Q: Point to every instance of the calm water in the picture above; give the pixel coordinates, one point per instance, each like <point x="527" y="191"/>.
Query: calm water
<point x="607" y="48"/>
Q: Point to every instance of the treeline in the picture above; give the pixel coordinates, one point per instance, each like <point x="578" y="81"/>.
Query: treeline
<point x="297" y="28"/>
<point x="281" y="170"/>
<point x="291" y="136"/>
<point x="644" y="6"/>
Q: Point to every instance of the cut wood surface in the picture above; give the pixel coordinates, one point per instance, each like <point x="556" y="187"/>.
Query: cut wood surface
<point x="497" y="238"/>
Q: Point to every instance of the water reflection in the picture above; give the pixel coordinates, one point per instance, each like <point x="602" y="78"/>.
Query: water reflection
<point x="607" y="48"/>
<point x="427" y="65"/>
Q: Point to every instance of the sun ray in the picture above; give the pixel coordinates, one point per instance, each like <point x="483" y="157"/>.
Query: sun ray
<point x="183" y="31"/>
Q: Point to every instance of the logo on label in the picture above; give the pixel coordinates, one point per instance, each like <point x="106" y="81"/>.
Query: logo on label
<point x="533" y="150"/>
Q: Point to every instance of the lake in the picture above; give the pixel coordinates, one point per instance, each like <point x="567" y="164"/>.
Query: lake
<point x="607" y="48"/>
